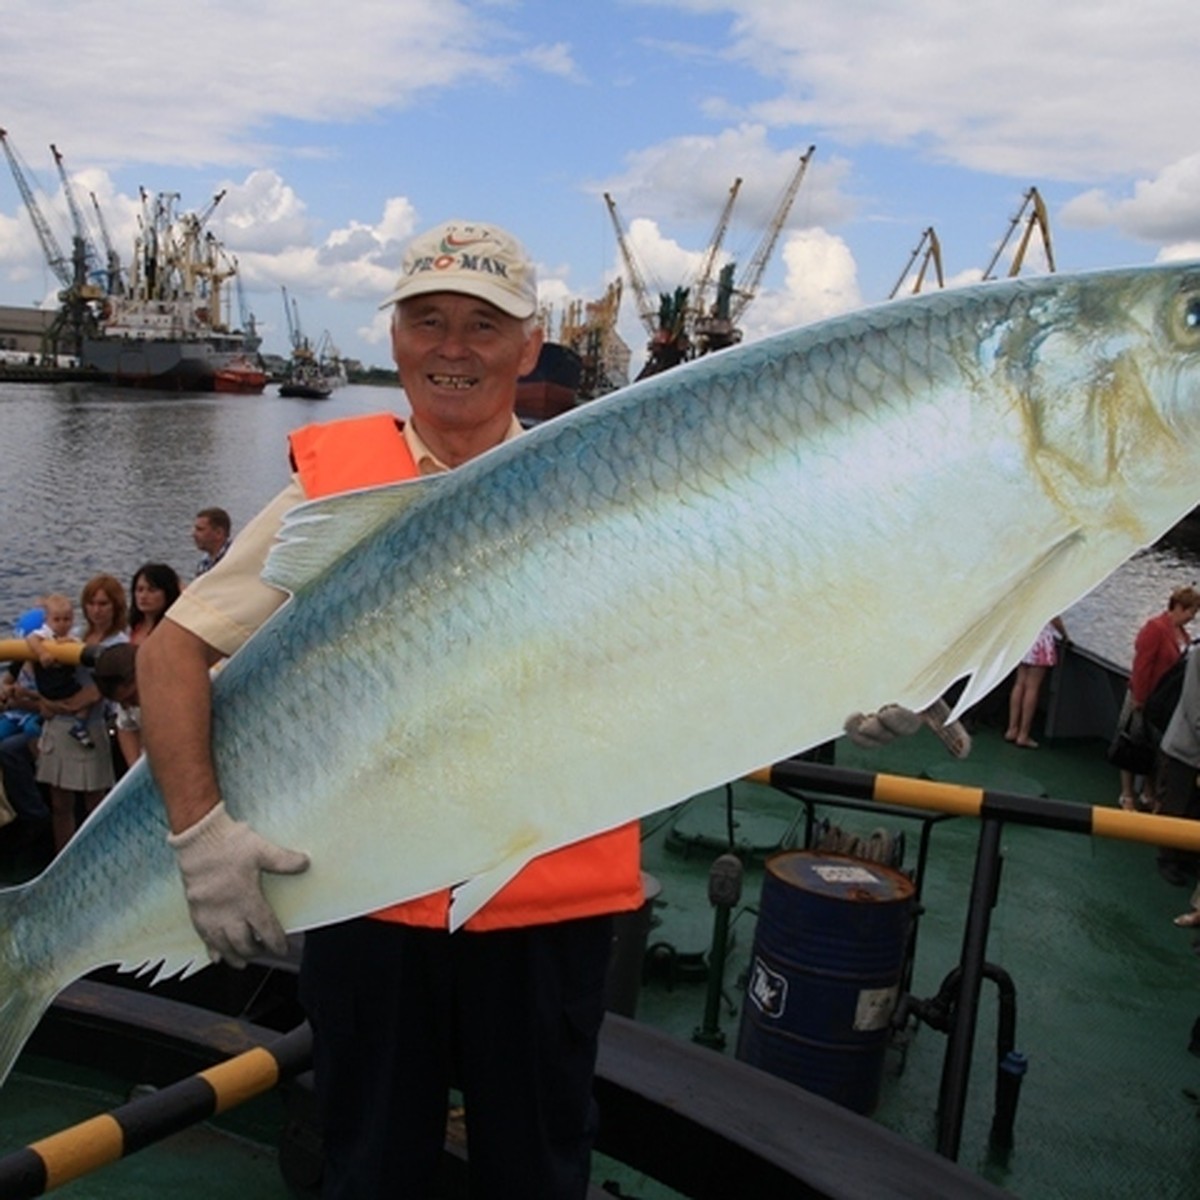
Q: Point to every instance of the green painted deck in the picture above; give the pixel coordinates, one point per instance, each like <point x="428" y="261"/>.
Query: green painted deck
<point x="1107" y="988"/>
<point x="1107" y="991"/>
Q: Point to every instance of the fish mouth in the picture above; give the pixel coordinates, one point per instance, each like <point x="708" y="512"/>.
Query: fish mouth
<point x="454" y="383"/>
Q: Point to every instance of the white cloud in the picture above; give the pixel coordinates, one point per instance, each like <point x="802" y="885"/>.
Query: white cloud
<point x="821" y="281"/>
<point x="1165" y="208"/>
<point x="262" y="213"/>
<point x="1063" y="91"/>
<point x="173" y="84"/>
<point x="688" y="179"/>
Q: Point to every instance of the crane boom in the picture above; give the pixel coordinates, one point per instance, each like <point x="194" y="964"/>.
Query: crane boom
<point x="91" y="255"/>
<point x="758" y="263"/>
<point x="646" y="309"/>
<point x="112" y="258"/>
<point x="59" y="263"/>
<point x="932" y="253"/>
<point x="704" y="277"/>
<point x="1037" y="218"/>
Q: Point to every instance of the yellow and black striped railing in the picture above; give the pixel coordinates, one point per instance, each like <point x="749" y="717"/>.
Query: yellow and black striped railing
<point x="62" y="1157"/>
<point x="961" y="800"/>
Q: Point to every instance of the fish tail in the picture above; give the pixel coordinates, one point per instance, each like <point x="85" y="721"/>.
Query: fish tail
<point x="24" y="992"/>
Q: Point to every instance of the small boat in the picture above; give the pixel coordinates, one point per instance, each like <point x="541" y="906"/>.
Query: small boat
<point x="240" y="376"/>
<point x="306" y="382"/>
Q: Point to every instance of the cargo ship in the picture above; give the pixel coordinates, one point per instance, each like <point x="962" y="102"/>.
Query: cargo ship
<point x="167" y="326"/>
<point x="552" y="387"/>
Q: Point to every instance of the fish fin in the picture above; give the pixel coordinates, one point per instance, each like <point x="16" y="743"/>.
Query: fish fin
<point x="317" y="533"/>
<point x="22" y="1003"/>
<point x="997" y="639"/>
<point x="470" y="896"/>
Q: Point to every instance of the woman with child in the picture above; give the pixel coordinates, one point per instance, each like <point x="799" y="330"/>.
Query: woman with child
<point x="68" y="763"/>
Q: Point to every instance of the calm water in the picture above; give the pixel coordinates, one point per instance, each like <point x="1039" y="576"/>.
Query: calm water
<point x="103" y="479"/>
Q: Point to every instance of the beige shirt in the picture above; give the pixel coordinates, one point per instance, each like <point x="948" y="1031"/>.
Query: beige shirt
<point x="225" y="605"/>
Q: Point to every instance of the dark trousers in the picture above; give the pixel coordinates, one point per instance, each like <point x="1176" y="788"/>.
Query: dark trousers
<point x="512" y="1017"/>
<point x="1179" y="797"/>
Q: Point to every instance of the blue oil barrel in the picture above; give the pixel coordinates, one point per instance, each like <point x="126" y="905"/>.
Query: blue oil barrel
<point x="825" y="973"/>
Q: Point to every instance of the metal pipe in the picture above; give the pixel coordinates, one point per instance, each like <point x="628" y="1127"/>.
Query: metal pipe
<point x="956" y="1068"/>
<point x="724" y="892"/>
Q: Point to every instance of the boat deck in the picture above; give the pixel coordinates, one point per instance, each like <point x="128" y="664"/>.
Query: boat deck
<point x="1106" y="986"/>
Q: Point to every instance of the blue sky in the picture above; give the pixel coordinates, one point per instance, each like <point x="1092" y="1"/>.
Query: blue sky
<point x="339" y="129"/>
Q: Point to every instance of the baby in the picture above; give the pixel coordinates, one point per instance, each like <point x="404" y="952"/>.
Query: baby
<point x="57" y="680"/>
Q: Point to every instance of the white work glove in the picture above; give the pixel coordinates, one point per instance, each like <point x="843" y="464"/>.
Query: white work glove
<point x="880" y="728"/>
<point x="220" y="860"/>
<point x="893" y="720"/>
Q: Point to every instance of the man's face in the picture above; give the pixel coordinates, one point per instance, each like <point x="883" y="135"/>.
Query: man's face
<point x="206" y="535"/>
<point x="459" y="359"/>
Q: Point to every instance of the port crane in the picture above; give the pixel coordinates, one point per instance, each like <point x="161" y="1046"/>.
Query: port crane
<point x="116" y="284"/>
<point x="684" y="324"/>
<point x="1033" y="212"/>
<point x="745" y="289"/>
<point x="590" y="329"/>
<point x="82" y="233"/>
<point x="929" y="251"/>
<point x="299" y="343"/>
<point x="77" y="313"/>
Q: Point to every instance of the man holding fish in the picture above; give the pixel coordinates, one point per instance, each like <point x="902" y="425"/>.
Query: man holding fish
<point x="510" y="1006"/>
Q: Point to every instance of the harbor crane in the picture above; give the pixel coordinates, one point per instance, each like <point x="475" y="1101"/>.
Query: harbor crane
<point x="719" y="327"/>
<point x="929" y="251"/>
<point x="77" y="314"/>
<point x="58" y="262"/>
<point x="704" y="276"/>
<point x="116" y="284"/>
<point x="1033" y="212"/>
<point x="747" y="286"/>
<point x="647" y="310"/>
<point x="82" y="233"/>
<point x="248" y="321"/>
<point x="684" y="324"/>
<point x="590" y="329"/>
<point x="300" y="346"/>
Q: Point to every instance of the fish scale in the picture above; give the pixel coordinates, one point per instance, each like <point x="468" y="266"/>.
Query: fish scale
<point x="664" y="589"/>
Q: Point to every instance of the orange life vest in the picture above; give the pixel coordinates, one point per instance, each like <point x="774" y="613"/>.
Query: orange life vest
<point x="600" y="874"/>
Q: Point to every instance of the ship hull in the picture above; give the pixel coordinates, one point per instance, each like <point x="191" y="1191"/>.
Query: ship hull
<point x="552" y="387"/>
<point x="190" y="366"/>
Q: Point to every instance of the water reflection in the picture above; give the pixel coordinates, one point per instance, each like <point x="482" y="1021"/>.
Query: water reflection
<point x="103" y="479"/>
<point x="1107" y="619"/>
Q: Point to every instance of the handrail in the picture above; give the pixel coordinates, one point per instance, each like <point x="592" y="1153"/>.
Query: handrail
<point x="62" y="1157"/>
<point x="964" y="801"/>
<point x="70" y="653"/>
<point x="993" y="808"/>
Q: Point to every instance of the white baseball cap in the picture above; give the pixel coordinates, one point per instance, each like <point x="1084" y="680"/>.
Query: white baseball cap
<point x="473" y="259"/>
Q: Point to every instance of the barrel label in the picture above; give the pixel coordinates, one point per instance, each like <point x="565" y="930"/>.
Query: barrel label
<point x="767" y="989"/>
<point x="843" y="873"/>
<point x="874" y="1008"/>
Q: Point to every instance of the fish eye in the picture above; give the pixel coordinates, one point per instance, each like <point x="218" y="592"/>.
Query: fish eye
<point x="1185" y="318"/>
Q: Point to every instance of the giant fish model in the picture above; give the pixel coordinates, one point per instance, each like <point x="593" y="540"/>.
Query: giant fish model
<point x="661" y="591"/>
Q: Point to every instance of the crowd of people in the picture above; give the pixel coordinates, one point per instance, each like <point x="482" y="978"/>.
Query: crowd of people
<point x="69" y="720"/>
